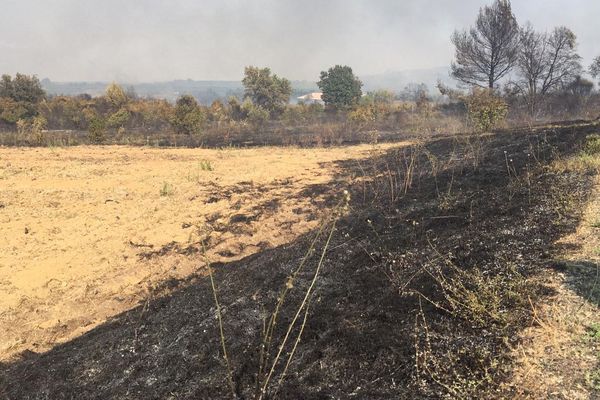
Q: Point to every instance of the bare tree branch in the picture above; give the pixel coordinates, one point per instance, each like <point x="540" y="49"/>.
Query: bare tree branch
<point x="546" y="63"/>
<point x="487" y="52"/>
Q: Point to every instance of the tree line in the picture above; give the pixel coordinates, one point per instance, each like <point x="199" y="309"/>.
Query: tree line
<point x="24" y="105"/>
<point x="504" y="67"/>
<point x="498" y="54"/>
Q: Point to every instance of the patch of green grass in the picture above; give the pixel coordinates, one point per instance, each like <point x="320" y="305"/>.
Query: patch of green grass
<point x="595" y="224"/>
<point x="594" y="331"/>
<point x="166" y="190"/>
<point x="582" y="162"/>
<point x="592" y="145"/>
<point x="593" y="379"/>
<point x="205" y="165"/>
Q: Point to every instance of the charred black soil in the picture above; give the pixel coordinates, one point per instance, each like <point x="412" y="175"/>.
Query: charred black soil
<point x="424" y="289"/>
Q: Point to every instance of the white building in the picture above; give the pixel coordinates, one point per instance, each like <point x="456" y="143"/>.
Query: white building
<point x="311" y="98"/>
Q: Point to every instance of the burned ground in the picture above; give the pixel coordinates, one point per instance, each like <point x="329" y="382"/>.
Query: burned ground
<point x="424" y="288"/>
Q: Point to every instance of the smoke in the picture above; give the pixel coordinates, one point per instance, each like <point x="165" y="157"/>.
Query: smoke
<point x="214" y="39"/>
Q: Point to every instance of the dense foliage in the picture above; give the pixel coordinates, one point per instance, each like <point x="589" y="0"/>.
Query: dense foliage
<point x="341" y="88"/>
<point x="187" y="117"/>
<point x="485" y="109"/>
<point x="19" y="98"/>
<point x="546" y="83"/>
<point x="267" y="91"/>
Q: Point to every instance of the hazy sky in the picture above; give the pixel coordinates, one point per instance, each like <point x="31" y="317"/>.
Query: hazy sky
<point x="149" y="40"/>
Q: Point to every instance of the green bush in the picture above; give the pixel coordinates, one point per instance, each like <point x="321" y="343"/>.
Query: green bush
<point x="166" y="189"/>
<point x="485" y="110"/>
<point x="38" y="124"/>
<point x="301" y="113"/>
<point x="188" y="117"/>
<point x="255" y="114"/>
<point x="118" y="119"/>
<point x="293" y="115"/>
<point x="97" y="130"/>
<point x="592" y="145"/>
<point x="363" y="114"/>
<point x="266" y="90"/>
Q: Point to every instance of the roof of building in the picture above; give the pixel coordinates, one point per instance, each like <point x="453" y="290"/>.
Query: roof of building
<point x="311" y="96"/>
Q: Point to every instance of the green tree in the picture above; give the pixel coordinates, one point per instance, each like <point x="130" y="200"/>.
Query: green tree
<point x="188" y="118"/>
<point x="150" y="114"/>
<point x="19" y="97"/>
<point x="267" y="91"/>
<point x="22" y="88"/>
<point x="255" y="114"/>
<point x="65" y="112"/>
<point x="116" y="96"/>
<point x="341" y="88"/>
<point x="118" y="119"/>
<point x="12" y="111"/>
<point x="97" y="129"/>
<point x="235" y="109"/>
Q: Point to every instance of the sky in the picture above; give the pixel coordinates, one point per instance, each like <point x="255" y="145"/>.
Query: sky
<point x="153" y="40"/>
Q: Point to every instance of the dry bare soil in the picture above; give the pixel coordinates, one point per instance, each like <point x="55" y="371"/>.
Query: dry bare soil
<point x="86" y="232"/>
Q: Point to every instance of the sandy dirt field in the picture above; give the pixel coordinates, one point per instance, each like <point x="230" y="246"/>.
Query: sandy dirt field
<point x="87" y="232"/>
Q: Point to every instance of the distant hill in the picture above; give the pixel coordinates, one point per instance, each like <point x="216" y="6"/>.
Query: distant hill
<point x="207" y="91"/>
<point x="396" y="81"/>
